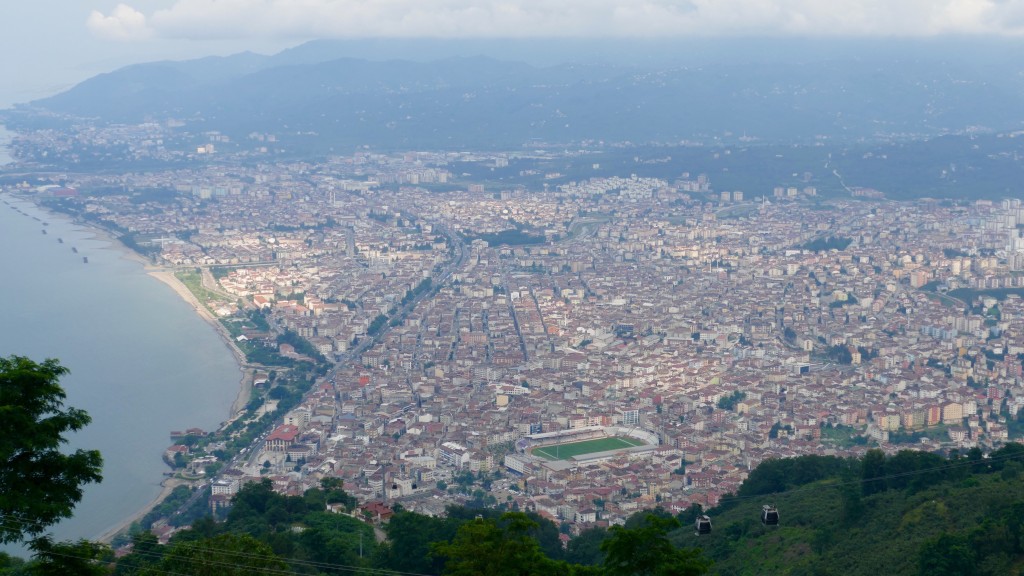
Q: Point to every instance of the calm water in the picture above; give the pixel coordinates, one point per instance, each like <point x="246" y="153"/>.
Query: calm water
<point x="142" y="363"/>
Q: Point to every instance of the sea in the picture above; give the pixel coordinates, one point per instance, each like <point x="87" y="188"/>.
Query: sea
<point x="141" y="361"/>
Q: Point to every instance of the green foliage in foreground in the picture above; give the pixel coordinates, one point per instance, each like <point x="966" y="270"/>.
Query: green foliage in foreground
<point x="222" y="555"/>
<point x="908" y="513"/>
<point x="269" y="533"/>
<point x="40" y="482"/>
<point x="646" y="549"/>
<point x="290" y="534"/>
<point x="82" y="558"/>
<point x="500" y="548"/>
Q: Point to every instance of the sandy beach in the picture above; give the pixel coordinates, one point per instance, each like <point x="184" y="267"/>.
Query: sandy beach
<point x="167" y="486"/>
<point x="245" y="387"/>
<point x="167" y="276"/>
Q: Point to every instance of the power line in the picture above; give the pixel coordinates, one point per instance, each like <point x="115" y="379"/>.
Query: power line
<point x="950" y="465"/>
<point x="197" y="561"/>
<point x="248" y="555"/>
<point x="92" y="561"/>
<point x="959" y="463"/>
<point x="306" y="563"/>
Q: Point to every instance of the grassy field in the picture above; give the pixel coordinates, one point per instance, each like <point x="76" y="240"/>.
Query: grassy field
<point x="194" y="282"/>
<point x="566" y="451"/>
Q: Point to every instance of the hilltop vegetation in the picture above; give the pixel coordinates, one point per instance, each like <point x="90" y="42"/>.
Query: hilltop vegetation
<point x="907" y="513"/>
<point x="295" y="535"/>
<point x="910" y="513"/>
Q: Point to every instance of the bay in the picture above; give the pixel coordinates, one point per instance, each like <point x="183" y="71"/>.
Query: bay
<point x="141" y="361"/>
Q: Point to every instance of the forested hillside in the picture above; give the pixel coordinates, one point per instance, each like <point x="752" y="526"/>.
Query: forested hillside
<point x="910" y="513"/>
<point x="907" y="513"/>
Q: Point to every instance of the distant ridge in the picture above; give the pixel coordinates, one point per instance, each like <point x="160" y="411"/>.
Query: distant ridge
<point x="362" y="92"/>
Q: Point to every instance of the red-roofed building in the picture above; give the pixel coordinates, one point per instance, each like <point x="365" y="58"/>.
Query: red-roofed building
<point x="282" y="437"/>
<point x="378" y="511"/>
<point x="173" y="451"/>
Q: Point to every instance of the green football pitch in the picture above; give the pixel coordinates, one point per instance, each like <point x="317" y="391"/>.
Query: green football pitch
<point x="566" y="451"/>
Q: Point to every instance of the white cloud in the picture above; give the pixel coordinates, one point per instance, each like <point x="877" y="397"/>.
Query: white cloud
<point x="299" y="19"/>
<point x="123" y="23"/>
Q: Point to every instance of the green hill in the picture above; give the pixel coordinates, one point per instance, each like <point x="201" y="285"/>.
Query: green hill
<point x="915" y="514"/>
<point x="907" y="513"/>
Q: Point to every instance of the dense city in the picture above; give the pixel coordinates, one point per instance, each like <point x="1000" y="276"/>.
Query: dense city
<point x="430" y="340"/>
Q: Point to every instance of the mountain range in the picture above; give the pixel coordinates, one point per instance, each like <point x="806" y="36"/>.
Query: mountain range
<point x="408" y="94"/>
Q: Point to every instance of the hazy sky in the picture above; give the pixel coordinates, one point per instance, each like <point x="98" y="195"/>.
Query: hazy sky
<point x="51" y="44"/>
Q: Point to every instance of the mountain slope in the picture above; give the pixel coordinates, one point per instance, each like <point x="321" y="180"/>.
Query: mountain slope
<point x="486" y="102"/>
<point x="920" y="524"/>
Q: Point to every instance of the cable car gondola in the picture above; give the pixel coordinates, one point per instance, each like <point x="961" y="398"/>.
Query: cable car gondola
<point x="702" y="525"/>
<point x="769" y="515"/>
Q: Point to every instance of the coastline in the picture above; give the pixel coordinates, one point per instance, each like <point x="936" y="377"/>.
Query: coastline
<point x="166" y="487"/>
<point x="167" y="277"/>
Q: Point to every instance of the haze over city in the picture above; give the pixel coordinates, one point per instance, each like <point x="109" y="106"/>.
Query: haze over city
<point x="58" y="43"/>
<point x="394" y="285"/>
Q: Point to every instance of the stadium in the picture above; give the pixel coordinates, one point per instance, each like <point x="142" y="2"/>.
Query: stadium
<point x="570" y="448"/>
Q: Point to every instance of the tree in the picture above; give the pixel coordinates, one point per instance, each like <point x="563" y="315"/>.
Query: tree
<point x="224" y="555"/>
<point x="334" y="493"/>
<point x="82" y="558"/>
<point x="872" y="472"/>
<point x="409" y="540"/>
<point x="689" y="516"/>
<point x="947" y="554"/>
<point x="586" y="548"/>
<point x="647" y="551"/>
<point x="39" y="484"/>
<point x="10" y="564"/>
<point x="501" y="548"/>
<point x="729" y="402"/>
